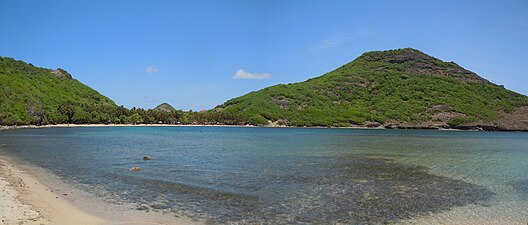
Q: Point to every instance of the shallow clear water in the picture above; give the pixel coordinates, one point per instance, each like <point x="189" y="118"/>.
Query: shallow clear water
<point x="288" y="175"/>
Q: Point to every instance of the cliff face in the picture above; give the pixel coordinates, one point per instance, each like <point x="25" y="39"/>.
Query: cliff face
<point x="402" y="88"/>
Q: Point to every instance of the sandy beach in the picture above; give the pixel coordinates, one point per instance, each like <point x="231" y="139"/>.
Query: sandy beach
<point x="2" y="128"/>
<point x="24" y="199"/>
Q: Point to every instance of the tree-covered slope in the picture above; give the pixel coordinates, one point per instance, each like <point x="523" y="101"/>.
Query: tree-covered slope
<point x="166" y="107"/>
<point x="396" y="88"/>
<point x="32" y="95"/>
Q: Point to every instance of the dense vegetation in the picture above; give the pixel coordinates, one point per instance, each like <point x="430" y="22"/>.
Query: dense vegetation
<point x="32" y="95"/>
<point x="402" y="86"/>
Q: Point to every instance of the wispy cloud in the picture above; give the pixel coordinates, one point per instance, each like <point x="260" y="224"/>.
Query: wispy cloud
<point x="150" y="99"/>
<point x="336" y="41"/>
<point x="325" y="45"/>
<point x="151" y="69"/>
<point x="241" y="74"/>
<point x="329" y="43"/>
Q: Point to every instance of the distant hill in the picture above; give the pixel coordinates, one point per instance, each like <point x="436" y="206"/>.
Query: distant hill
<point x="33" y="95"/>
<point x="402" y="88"/>
<point x="166" y="107"/>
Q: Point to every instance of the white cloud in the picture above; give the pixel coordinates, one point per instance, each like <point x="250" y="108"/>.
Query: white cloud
<point x="151" y="69"/>
<point x="241" y="74"/>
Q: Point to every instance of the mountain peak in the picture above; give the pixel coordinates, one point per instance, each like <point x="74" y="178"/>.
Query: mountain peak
<point x="397" y="55"/>
<point x="416" y="62"/>
<point x="166" y="107"/>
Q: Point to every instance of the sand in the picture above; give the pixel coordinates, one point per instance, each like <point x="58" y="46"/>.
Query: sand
<point x="25" y="200"/>
<point x="116" y="125"/>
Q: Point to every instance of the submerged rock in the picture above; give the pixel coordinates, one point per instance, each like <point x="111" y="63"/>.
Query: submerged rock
<point x="135" y="168"/>
<point x="520" y="186"/>
<point x="144" y="207"/>
<point x="358" y="189"/>
<point x="368" y="189"/>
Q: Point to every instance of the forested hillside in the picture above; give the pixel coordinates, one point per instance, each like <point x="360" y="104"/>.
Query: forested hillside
<point x="32" y="95"/>
<point x="398" y="88"/>
<point x="38" y="96"/>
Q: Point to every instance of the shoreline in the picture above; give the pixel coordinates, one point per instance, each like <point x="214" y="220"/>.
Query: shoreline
<point x="31" y="202"/>
<point x="4" y="128"/>
<point x="31" y="197"/>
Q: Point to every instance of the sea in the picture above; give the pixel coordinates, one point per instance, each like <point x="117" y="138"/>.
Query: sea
<point x="258" y="175"/>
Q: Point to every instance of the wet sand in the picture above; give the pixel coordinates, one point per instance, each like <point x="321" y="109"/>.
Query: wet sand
<point x="115" y="125"/>
<point x="24" y="199"/>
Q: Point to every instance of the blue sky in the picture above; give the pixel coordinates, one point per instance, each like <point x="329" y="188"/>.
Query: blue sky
<point x="198" y="54"/>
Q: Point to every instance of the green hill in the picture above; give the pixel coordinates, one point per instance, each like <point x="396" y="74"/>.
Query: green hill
<point x="32" y="95"/>
<point x="402" y="88"/>
<point x="165" y="107"/>
<point x="38" y="96"/>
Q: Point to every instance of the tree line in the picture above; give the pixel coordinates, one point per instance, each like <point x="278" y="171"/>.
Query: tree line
<point x="75" y="113"/>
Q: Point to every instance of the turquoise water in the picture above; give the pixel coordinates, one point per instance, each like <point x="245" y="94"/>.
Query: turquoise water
<point x="289" y="175"/>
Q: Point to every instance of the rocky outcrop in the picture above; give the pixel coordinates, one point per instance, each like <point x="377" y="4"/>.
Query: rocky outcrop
<point x="60" y="73"/>
<point x="514" y="121"/>
<point x="419" y="63"/>
<point x="281" y="101"/>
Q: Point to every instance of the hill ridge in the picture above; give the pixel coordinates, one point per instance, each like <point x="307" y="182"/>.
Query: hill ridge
<point x="165" y="107"/>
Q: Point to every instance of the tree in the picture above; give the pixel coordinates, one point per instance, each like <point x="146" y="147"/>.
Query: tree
<point x="67" y="109"/>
